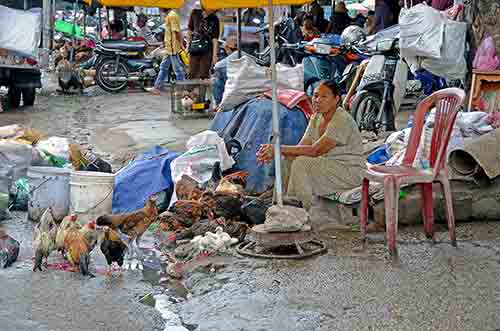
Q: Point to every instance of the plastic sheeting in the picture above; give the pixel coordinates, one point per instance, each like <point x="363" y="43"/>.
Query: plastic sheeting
<point x="23" y="34"/>
<point x="218" y="4"/>
<point x="250" y="124"/>
<point x="148" y="174"/>
<point x="246" y="80"/>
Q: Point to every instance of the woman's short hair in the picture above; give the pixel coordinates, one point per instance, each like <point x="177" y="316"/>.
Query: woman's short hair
<point x="332" y="85"/>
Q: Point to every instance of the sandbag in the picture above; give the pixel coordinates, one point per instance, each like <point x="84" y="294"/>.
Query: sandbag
<point x="421" y="32"/>
<point x="246" y="80"/>
<point x="24" y="32"/>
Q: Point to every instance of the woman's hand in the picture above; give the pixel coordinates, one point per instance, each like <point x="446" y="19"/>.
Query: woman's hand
<point x="265" y="154"/>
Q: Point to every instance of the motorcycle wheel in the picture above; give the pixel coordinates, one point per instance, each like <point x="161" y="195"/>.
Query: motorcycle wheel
<point x="102" y="76"/>
<point x="365" y="108"/>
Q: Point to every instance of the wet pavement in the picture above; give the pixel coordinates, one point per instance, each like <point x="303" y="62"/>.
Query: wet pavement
<point x="351" y="287"/>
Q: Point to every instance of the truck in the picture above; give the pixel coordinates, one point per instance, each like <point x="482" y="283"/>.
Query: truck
<point x="18" y="73"/>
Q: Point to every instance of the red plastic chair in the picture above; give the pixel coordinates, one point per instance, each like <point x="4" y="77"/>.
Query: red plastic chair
<point x="447" y="103"/>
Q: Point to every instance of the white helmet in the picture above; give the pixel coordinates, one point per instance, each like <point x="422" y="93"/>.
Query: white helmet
<point x="353" y="34"/>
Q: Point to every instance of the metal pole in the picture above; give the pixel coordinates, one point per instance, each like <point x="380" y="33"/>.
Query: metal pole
<point x="238" y="31"/>
<point x="45" y="33"/>
<point x="276" y="125"/>
<point x="72" y="52"/>
<point x="26" y="5"/>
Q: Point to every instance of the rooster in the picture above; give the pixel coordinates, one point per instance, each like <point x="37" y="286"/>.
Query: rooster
<point x="132" y="224"/>
<point x="44" y="239"/>
<point x="9" y="250"/>
<point x="113" y="248"/>
<point x="78" y="245"/>
<point x="67" y="222"/>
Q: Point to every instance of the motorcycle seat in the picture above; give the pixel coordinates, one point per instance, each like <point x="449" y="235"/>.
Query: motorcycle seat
<point x="124" y="45"/>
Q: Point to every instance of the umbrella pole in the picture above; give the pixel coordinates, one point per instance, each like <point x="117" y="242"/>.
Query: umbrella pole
<point x="238" y="31"/>
<point x="276" y="125"/>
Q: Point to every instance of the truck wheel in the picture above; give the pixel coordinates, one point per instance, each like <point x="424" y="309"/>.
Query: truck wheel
<point x="29" y="95"/>
<point x="14" y="97"/>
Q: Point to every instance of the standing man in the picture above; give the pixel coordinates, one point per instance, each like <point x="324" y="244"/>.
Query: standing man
<point x="173" y="46"/>
<point x="203" y="41"/>
<point x="383" y="17"/>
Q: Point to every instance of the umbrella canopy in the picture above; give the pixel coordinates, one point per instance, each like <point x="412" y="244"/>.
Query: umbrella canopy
<point x="219" y="4"/>
<point x="370" y="4"/>
<point x="171" y="4"/>
<point x="357" y="7"/>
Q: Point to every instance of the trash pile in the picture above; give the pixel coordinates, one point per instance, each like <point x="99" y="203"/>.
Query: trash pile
<point x="22" y="148"/>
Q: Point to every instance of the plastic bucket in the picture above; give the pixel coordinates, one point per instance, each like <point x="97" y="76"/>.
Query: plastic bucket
<point x="48" y="187"/>
<point x="91" y="194"/>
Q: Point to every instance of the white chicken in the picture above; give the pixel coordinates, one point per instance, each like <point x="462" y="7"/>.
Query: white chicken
<point x="213" y="242"/>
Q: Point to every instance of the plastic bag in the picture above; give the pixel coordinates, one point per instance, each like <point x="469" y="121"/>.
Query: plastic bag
<point x="212" y="138"/>
<point x="24" y="32"/>
<point x="56" y="146"/>
<point x="20" y="193"/>
<point x="16" y="155"/>
<point x="246" y="80"/>
<point x="197" y="163"/>
<point x="486" y="57"/>
<point x="422" y="31"/>
<point x="5" y="182"/>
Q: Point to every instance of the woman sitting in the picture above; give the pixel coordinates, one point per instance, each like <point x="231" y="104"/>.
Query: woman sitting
<point x="309" y="31"/>
<point x="329" y="157"/>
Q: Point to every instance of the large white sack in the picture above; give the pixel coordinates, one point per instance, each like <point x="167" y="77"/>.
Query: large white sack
<point x="246" y="80"/>
<point x="421" y="31"/>
<point x="23" y="33"/>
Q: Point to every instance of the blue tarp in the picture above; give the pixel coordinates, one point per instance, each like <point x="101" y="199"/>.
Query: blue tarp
<point x="251" y="125"/>
<point x="148" y="174"/>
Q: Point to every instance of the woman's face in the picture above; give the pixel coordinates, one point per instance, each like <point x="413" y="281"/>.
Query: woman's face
<point x="324" y="100"/>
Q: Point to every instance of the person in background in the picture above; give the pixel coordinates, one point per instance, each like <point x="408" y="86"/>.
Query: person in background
<point x="383" y="16"/>
<point x="173" y="46"/>
<point x="144" y="30"/>
<point x="116" y="30"/>
<point x="309" y="31"/>
<point x="370" y="23"/>
<point x="318" y="17"/>
<point x="340" y="20"/>
<point x="360" y="20"/>
<point x="203" y="25"/>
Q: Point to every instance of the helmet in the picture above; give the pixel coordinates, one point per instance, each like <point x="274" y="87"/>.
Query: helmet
<point x="353" y="34"/>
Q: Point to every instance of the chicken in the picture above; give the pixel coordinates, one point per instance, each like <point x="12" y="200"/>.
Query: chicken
<point x="89" y="232"/>
<point x="189" y="211"/>
<point x="113" y="248"/>
<point x="78" y="248"/>
<point x="9" y="250"/>
<point x="132" y="224"/>
<point x="66" y="223"/>
<point x="44" y="239"/>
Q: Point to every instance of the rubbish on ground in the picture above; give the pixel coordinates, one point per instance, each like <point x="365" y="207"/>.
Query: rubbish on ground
<point x="87" y="161"/>
<point x="9" y="250"/>
<point x="20" y="195"/>
<point x="55" y="146"/>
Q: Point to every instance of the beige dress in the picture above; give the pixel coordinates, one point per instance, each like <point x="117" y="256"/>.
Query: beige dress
<point x="340" y="169"/>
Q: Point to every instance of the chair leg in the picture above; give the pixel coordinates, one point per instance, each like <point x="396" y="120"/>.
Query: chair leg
<point x="427" y="210"/>
<point x="365" y="196"/>
<point x="391" y="190"/>
<point x="450" y="216"/>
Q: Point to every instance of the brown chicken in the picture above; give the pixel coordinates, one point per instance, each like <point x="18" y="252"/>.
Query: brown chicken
<point x="66" y="223"/>
<point x="44" y="239"/>
<point x="78" y="247"/>
<point x="132" y="224"/>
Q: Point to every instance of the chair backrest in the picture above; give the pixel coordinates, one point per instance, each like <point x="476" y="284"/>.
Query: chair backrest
<point x="447" y="102"/>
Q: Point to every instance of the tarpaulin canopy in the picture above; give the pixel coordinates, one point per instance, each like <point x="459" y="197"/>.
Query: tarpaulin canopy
<point x="218" y="4"/>
<point x="172" y="4"/>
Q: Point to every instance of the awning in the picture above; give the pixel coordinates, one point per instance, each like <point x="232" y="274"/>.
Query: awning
<point x="219" y="4"/>
<point x="173" y="4"/>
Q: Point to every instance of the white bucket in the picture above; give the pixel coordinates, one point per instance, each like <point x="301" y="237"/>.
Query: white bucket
<point x="91" y="194"/>
<point x="49" y="187"/>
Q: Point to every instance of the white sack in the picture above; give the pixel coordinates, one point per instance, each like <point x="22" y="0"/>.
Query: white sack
<point x="246" y="80"/>
<point x="421" y="31"/>
<point x="23" y="33"/>
<point x="212" y="138"/>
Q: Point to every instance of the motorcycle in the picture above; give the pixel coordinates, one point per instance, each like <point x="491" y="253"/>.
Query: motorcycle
<point x="326" y="59"/>
<point x="121" y="62"/>
<point x="382" y="88"/>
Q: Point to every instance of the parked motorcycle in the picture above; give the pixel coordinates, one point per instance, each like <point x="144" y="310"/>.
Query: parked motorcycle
<point x="121" y="62"/>
<point x="382" y="88"/>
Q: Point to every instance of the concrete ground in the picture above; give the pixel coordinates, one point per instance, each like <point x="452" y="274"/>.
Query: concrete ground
<point x="351" y="287"/>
